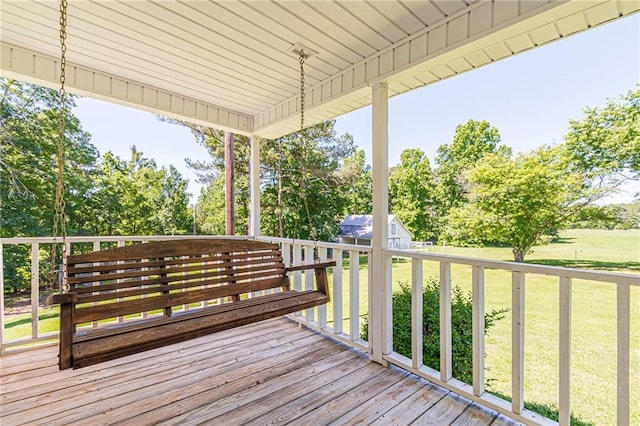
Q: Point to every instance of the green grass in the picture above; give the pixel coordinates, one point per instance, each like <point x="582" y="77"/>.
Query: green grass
<point x="593" y="322"/>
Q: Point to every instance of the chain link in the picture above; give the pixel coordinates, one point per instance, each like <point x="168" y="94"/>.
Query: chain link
<point x="301" y="60"/>
<point x="59" y="216"/>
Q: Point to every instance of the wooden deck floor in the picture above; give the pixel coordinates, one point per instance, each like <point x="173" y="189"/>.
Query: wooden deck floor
<point x="267" y="373"/>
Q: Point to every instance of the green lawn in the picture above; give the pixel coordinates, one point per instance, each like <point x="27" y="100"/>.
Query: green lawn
<point x="593" y="328"/>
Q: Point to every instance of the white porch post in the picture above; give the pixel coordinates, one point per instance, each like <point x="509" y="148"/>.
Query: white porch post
<point x="254" y="185"/>
<point x="380" y="319"/>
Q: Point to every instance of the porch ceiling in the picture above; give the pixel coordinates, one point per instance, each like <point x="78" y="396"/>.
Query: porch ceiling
<point x="226" y="63"/>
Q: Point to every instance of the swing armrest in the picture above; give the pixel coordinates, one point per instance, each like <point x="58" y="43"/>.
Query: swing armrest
<point x="320" y="271"/>
<point x="319" y="265"/>
<point x="61" y="299"/>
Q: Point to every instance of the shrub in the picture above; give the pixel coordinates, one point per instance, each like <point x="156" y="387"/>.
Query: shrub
<point x="461" y="327"/>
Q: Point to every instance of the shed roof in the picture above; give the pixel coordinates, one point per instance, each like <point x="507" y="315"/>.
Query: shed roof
<point x="360" y="226"/>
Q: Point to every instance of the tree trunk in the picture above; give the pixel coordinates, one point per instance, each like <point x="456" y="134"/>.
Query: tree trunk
<point x="518" y="256"/>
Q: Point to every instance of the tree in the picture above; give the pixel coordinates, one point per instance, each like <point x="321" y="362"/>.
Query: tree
<point x="412" y="193"/>
<point x="301" y="192"/>
<point x="518" y="202"/>
<point x="471" y="142"/>
<point x="29" y="124"/>
<point x="134" y="197"/>
<point x="605" y="144"/>
<point x="357" y="184"/>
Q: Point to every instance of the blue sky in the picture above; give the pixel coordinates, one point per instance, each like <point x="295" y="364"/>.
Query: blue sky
<point x="529" y="97"/>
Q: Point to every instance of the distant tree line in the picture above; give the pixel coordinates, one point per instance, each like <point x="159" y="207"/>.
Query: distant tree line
<point x="477" y="193"/>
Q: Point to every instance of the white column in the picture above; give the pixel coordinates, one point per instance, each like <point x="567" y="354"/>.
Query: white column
<point x="254" y="185"/>
<point x="380" y="318"/>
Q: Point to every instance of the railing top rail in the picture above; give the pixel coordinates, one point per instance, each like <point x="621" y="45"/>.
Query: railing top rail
<point x="111" y="238"/>
<point x="324" y="244"/>
<point x="611" y="277"/>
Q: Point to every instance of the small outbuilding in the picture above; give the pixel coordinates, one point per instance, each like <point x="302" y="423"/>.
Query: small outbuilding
<point x="358" y="229"/>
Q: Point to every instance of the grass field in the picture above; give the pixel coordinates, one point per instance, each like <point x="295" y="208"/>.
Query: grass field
<point x="593" y="322"/>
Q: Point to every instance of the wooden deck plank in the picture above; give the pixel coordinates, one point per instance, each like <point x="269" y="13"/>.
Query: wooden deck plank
<point x="444" y="412"/>
<point x="413" y="407"/>
<point x="135" y="376"/>
<point x="174" y="401"/>
<point x="368" y="411"/>
<point x="321" y="385"/>
<point x="267" y="373"/>
<point x="475" y="415"/>
<point x="50" y="382"/>
<point x="139" y="385"/>
<point x="332" y="366"/>
<point x="349" y="396"/>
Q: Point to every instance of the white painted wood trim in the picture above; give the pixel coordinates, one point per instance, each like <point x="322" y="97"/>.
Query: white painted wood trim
<point x="34" y="67"/>
<point x="478" y="328"/>
<point x="517" y="341"/>
<point x="254" y="187"/>
<point x="354" y="296"/>
<point x="623" y="354"/>
<point x="564" y="351"/>
<point x="35" y="289"/>
<point x="417" y="322"/>
<point x="446" y="359"/>
<point x="380" y="288"/>
<point x="322" y="309"/>
<point x="308" y="279"/>
<point x="297" y="260"/>
<point x="336" y="295"/>
<point x="2" y="299"/>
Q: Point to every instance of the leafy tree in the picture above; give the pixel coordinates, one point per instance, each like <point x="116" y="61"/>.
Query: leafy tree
<point x="302" y="196"/>
<point x="518" y="202"/>
<point x="211" y="202"/>
<point x="356" y="183"/>
<point x="605" y="144"/>
<point x="412" y="193"/>
<point x="29" y="123"/>
<point x="301" y="178"/>
<point x="472" y="141"/>
<point x="134" y="197"/>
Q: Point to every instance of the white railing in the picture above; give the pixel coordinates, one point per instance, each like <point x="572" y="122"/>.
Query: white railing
<point x="350" y="287"/>
<point x="342" y="319"/>
<point x="518" y="271"/>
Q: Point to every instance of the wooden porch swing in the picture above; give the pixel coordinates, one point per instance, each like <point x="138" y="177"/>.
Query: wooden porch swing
<point x="125" y="300"/>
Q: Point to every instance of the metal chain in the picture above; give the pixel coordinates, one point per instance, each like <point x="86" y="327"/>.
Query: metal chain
<point x="302" y="57"/>
<point x="59" y="216"/>
<point x="303" y="135"/>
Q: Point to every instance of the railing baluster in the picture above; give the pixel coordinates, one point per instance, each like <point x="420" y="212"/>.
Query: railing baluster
<point x="322" y="309"/>
<point x="35" y="288"/>
<point x="446" y="359"/>
<point x="337" y="292"/>
<point x="96" y="247"/>
<point x="354" y="297"/>
<point x="623" y="371"/>
<point x="517" y="341"/>
<point x="308" y="279"/>
<point x="1" y="299"/>
<point x="297" y="260"/>
<point x="564" y="351"/>
<point x="416" y="314"/>
<point x="120" y="243"/>
<point x="477" y="300"/>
